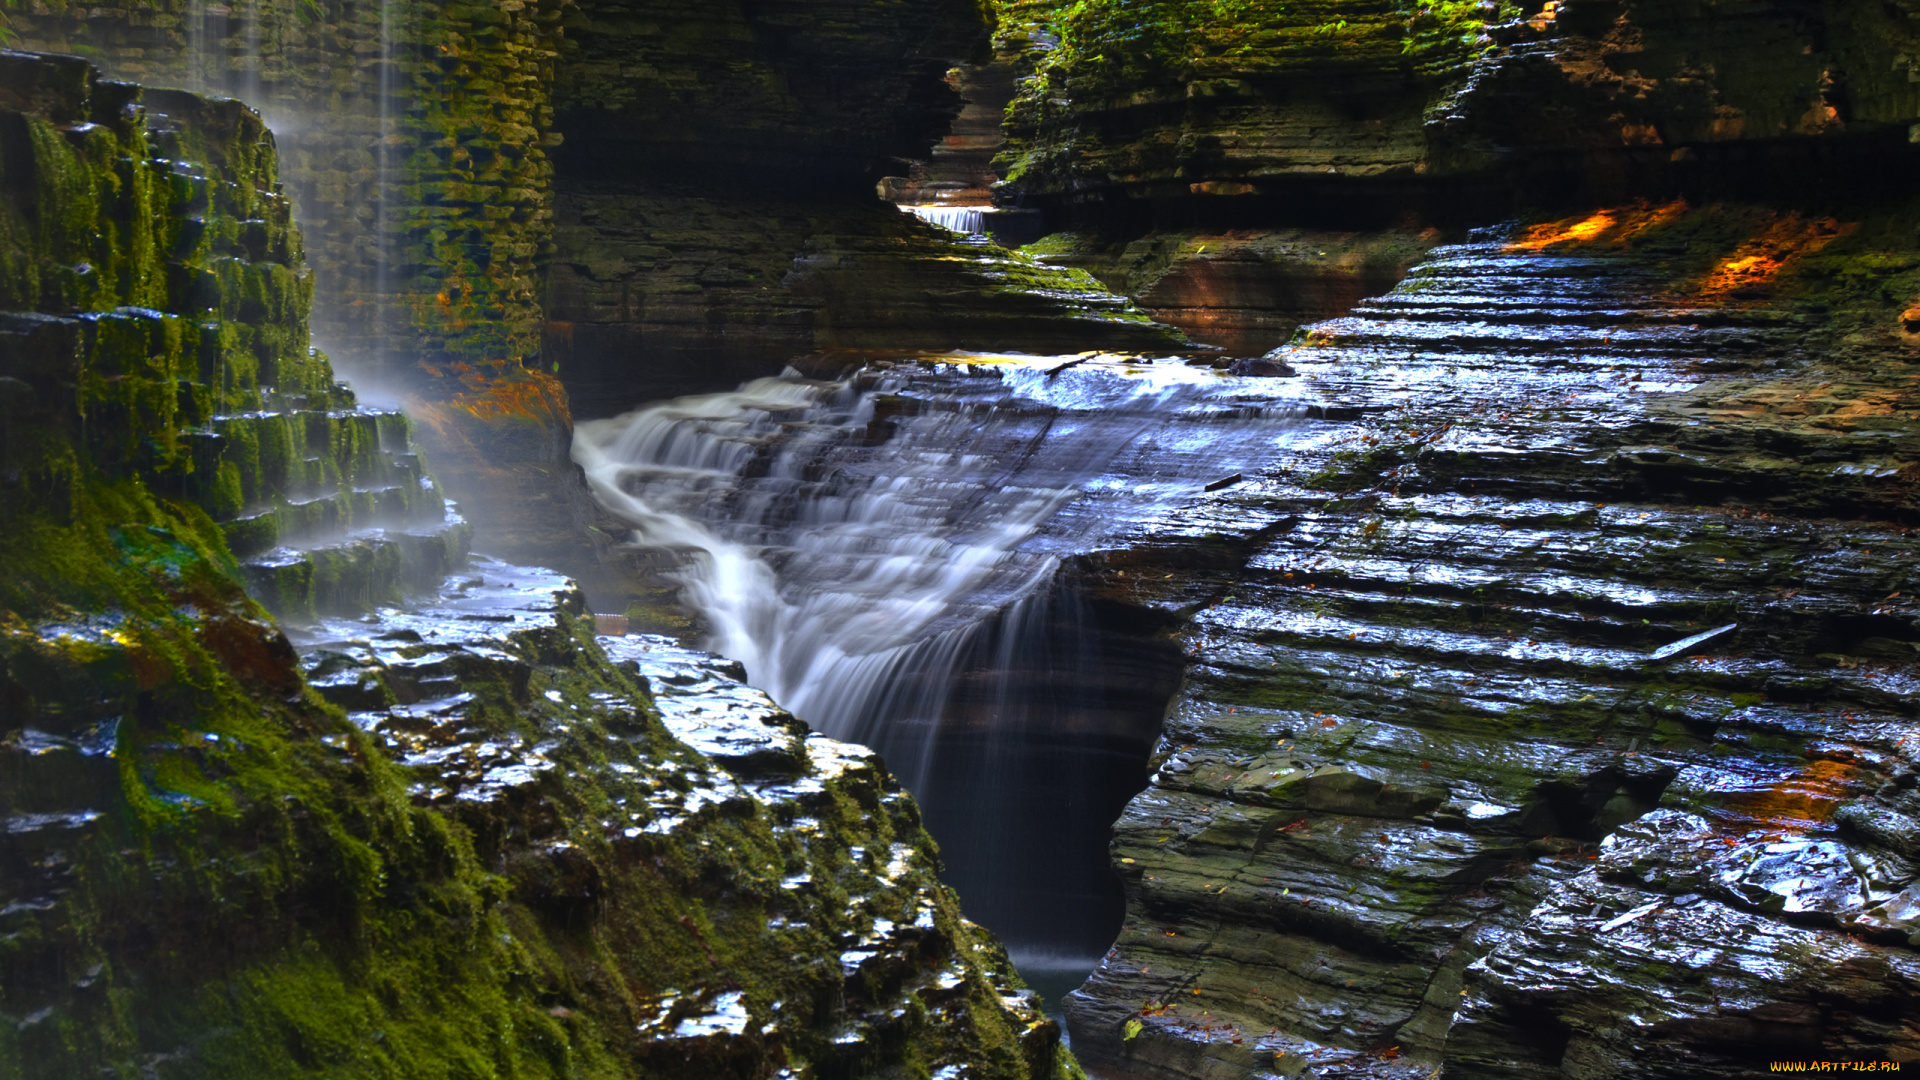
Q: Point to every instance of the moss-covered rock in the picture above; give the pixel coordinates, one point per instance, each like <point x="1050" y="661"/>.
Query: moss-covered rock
<point x="1295" y="112"/>
<point x="1206" y="98"/>
<point x="414" y="139"/>
<point x="469" y="846"/>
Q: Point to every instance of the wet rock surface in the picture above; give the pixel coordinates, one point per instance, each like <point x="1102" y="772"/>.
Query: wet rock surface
<point x="810" y="931"/>
<point x="1243" y="290"/>
<point x="1434" y="794"/>
<point x="453" y="838"/>
<point x="712" y="292"/>
<point x="414" y="141"/>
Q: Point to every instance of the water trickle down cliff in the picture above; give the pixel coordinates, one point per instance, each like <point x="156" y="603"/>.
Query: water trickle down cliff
<point x="468" y="845"/>
<point x="638" y="199"/>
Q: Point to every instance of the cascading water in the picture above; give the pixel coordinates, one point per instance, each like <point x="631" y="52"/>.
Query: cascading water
<point x="199" y="74"/>
<point x="970" y="220"/>
<point x="388" y="83"/>
<point x="883" y="553"/>
<point x="249" y="81"/>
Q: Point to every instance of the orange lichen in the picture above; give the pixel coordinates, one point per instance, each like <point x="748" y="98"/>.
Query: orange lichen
<point x="1772" y="246"/>
<point x="500" y="390"/>
<point x="1910" y="319"/>
<point x="533" y="395"/>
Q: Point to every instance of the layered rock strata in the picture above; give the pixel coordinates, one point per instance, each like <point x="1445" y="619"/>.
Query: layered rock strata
<point x="157" y="307"/>
<point x="960" y="171"/>
<point x="1178" y="99"/>
<point x="414" y="140"/>
<point x="658" y="294"/>
<point x="717" y="206"/>
<point x="1243" y="291"/>
<point x="809" y="97"/>
<point x="1685" y="85"/>
<point x="454" y="838"/>
<point x="1289" y="113"/>
<point x="1555" y="723"/>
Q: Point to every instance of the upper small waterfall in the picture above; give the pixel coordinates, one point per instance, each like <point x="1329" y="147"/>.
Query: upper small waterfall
<point x="970" y="220"/>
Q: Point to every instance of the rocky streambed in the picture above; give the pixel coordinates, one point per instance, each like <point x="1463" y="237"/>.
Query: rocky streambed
<point x="1552" y="714"/>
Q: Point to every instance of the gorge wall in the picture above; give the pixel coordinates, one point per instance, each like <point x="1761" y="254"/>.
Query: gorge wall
<point x="414" y="141"/>
<point x="1433" y="796"/>
<point x="1428" y="799"/>
<point x="446" y="837"/>
<point x="1241" y="170"/>
<point x="1552" y="721"/>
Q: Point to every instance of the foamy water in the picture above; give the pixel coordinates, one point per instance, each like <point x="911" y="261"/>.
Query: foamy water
<point x="850" y="539"/>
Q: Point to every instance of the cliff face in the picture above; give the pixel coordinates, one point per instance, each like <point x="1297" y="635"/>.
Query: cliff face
<point x="1555" y="723"/>
<point x="1183" y="98"/>
<point x="1700" y="85"/>
<point x="1434" y="795"/>
<point x="413" y="139"/>
<point x="663" y="292"/>
<point x="449" y="838"/>
<point x="1352" y="104"/>
<point x="712" y="215"/>
<point x="717" y="208"/>
<point x="782" y="97"/>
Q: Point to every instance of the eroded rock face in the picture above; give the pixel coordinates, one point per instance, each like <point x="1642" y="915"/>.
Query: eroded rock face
<point x="772" y="97"/>
<point x="717" y="214"/>
<point x="1291" y="112"/>
<point x="1176" y="99"/>
<point x="1244" y="291"/>
<point x="1598" y="76"/>
<point x="453" y="837"/>
<point x="764" y="896"/>
<point x="959" y="170"/>
<point x="713" y="168"/>
<point x="413" y="138"/>
<point x="1433" y="796"/>
<point x="658" y="294"/>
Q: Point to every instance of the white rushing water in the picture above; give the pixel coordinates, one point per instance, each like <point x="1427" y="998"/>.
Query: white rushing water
<point x="969" y="220"/>
<point x="848" y="540"/>
<point x="881" y="553"/>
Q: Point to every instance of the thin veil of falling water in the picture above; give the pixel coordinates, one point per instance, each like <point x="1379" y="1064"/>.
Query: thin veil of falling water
<point x="883" y="555"/>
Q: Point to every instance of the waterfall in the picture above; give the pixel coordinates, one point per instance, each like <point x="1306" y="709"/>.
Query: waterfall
<point x="882" y="552"/>
<point x="249" y="89"/>
<point x="199" y="76"/>
<point x="970" y="220"/>
<point x="388" y="85"/>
